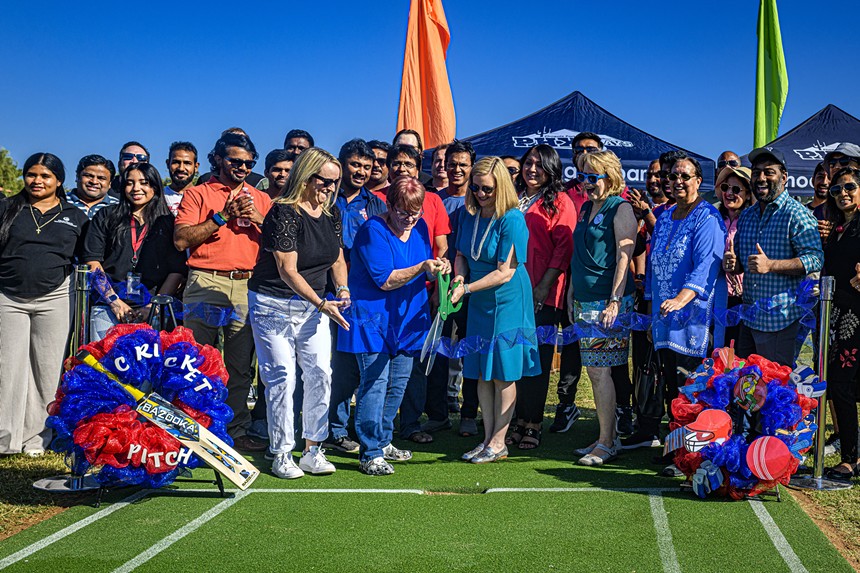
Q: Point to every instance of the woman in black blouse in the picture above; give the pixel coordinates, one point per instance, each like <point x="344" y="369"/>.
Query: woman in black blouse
<point x="132" y="242"/>
<point x="40" y="234"/>
<point x="842" y="261"/>
<point x="301" y="242"/>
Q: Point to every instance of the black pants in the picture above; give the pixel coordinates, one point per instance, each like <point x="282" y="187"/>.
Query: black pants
<point x="733" y="332"/>
<point x="669" y="361"/>
<point x="779" y="346"/>
<point x="436" y="404"/>
<point x="844" y="396"/>
<point x="532" y="390"/>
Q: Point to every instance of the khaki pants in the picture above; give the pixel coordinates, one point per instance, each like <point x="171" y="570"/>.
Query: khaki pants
<point x="33" y="335"/>
<point x="205" y="291"/>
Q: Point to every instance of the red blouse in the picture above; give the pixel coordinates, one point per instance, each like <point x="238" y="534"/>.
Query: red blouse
<point x="551" y="245"/>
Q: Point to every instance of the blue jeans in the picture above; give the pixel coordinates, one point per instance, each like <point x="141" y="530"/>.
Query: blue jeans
<point x="414" y="397"/>
<point x="344" y="382"/>
<point x="383" y="381"/>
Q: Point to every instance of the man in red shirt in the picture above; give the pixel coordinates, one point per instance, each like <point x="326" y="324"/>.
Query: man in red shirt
<point x="219" y="222"/>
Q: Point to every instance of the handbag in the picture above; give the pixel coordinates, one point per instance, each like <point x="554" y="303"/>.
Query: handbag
<point x="648" y="387"/>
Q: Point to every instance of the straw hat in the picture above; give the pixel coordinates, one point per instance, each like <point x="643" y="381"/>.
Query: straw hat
<point x="742" y="173"/>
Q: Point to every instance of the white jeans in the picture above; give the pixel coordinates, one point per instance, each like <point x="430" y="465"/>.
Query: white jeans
<point x="287" y="331"/>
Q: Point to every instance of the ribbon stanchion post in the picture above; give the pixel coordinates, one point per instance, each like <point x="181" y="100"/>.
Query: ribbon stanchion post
<point x="161" y="314"/>
<point x="817" y="481"/>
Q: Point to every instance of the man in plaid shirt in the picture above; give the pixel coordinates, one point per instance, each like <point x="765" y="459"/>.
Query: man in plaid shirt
<point x="776" y="247"/>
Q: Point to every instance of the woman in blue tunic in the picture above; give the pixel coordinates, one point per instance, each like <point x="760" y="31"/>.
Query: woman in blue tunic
<point x="492" y="238"/>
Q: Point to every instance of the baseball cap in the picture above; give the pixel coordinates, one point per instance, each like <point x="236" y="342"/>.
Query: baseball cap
<point x="847" y="149"/>
<point x="764" y="152"/>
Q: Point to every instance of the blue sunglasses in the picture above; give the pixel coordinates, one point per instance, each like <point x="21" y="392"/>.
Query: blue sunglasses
<point x="592" y="178"/>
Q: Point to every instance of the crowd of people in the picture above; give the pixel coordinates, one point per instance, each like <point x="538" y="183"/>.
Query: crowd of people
<point x="322" y="271"/>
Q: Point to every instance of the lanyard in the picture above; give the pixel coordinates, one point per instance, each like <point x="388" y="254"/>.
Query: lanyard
<point x="136" y="242"/>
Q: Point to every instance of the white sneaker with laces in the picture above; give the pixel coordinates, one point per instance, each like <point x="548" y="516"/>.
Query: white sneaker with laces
<point x="285" y="468"/>
<point x="315" y="463"/>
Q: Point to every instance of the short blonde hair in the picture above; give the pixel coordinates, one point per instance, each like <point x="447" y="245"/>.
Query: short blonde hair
<point x="505" y="195"/>
<point x="604" y="162"/>
<point x="308" y="164"/>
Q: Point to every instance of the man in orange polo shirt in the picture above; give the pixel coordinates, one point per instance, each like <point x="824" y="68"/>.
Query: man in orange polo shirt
<point x="219" y="222"/>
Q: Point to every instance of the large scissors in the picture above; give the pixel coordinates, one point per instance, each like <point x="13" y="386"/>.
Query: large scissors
<point x="446" y="307"/>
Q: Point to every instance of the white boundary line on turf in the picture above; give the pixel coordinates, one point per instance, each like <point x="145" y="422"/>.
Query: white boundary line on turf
<point x="179" y="534"/>
<point x="30" y="549"/>
<point x="647" y="490"/>
<point x="664" y="535"/>
<point x="778" y="539"/>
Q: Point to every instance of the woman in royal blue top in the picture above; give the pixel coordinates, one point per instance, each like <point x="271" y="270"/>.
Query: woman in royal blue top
<point x="686" y="253"/>
<point x="601" y="288"/>
<point x="390" y="257"/>
<point x="492" y="243"/>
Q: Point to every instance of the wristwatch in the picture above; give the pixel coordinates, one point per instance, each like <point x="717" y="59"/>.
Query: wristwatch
<point x="111" y="298"/>
<point x="615" y="299"/>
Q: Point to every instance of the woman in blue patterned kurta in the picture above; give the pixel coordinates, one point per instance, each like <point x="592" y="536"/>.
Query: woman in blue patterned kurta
<point x="491" y="251"/>
<point x="686" y="252"/>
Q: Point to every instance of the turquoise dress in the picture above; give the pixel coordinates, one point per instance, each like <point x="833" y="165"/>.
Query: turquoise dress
<point x="501" y="320"/>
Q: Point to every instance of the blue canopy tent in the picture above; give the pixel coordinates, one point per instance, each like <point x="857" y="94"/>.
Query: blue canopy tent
<point x="558" y="123"/>
<point x="807" y="144"/>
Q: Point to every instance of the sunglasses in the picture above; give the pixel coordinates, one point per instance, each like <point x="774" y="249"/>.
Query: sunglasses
<point x="592" y="178"/>
<point x="589" y="149"/>
<point x="676" y="176"/>
<point x="836" y="190"/>
<point x="734" y="189"/>
<point x="730" y="162"/>
<point x="325" y="183"/>
<point x="513" y="170"/>
<point x="842" y="162"/>
<point x="248" y="163"/>
<point x="142" y="157"/>
<point x="486" y="190"/>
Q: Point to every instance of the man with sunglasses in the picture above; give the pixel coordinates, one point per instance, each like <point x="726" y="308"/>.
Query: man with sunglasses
<point x="130" y="152"/>
<point x="583" y="142"/>
<point x="726" y="159"/>
<point x="845" y="155"/>
<point x="219" y="222"/>
<point x="379" y="172"/>
<point x="253" y="179"/>
<point x="776" y="246"/>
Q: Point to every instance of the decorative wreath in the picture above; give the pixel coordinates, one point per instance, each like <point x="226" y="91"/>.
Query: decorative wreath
<point x="95" y="420"/>
<point x="741" y="426"/>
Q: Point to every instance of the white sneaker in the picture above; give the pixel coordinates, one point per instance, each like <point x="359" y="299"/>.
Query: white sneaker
<point x="284" y="467"/>
<point x="314" y="462"/>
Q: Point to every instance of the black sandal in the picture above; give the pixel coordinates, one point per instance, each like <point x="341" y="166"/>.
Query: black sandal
<point x="533" y="436"/>
<point x="514" y="435"/>
<point x="837" y="474"/>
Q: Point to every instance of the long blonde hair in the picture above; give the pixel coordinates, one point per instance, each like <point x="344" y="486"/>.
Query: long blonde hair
<point x="505" y="194"/>
<point x="308" y="164"/>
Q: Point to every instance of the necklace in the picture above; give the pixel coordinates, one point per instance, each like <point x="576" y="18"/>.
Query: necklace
<point x="42" y="226"/>
<point x="476" y="254"/>
<point x="686" y="211"/>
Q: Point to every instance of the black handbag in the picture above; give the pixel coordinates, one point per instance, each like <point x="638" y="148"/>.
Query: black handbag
<point x="648" y="386"/>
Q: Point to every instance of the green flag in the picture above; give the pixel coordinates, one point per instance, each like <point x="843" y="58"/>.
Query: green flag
<point x="771" y="85"/>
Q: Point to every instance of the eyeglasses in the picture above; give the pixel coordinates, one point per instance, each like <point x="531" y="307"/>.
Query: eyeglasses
<point x="142" y="157"/>
<point x="325" y="183"/>
<point x="404" y="164"/>
<point x="581" y="149"/>
<point x="485" y="189"/>
<point x="842" y="162"/>
<point x="730" y="162"/>
<point x="592" y="178"/>
<point x="734" y="189"/>
<point x="676" y="176"/>
<point x="513" y="171"/>
<point x="235" y="162"/>
<point x="408" y="214"/>
<point x="836" y="190"/>
<point x="451" y="166"/>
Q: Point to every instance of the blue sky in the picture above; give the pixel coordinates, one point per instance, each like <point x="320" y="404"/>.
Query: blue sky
<point x="81" y="80"/>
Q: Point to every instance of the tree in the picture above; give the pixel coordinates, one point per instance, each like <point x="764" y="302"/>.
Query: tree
<point x="10" y="175"/>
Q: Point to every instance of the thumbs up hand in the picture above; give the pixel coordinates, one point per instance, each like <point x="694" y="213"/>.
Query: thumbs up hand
<point x="730" y="260"/>
<point x="855" y="282"/>
<point x="759" y="263"/>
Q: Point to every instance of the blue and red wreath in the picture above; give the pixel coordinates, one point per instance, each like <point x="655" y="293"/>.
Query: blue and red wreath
<point x="95" y="420"/>
<point x="742" y="426"/>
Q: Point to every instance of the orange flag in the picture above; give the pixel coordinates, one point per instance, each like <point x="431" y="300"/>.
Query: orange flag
<point x="426" y="103"/>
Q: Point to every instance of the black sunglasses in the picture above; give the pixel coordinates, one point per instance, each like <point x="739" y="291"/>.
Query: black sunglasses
<point x="513" y="170"/>
<point x="735" y="190"/>
<point x="589" y="149"/>
<point x="730" y="162"/>
<point x="483" y="188"/>
<point x="248" y="163"/>
<point x="142" y="157"/>
<point x="842" y="162"/>
<point x="676" y="176"/>
<point x="836" y="190"/>
<point x="325" y="182"/>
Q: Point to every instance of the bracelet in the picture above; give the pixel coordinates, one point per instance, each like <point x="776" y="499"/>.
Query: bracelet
<point x="466" y="288"/>
<point x="321" y="305"/>
<point x="615" y="299"/>
<point x="340" y="289"/>
<point x="219" y="219"/>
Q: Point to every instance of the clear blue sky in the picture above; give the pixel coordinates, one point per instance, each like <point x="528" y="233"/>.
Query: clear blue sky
<point x="83" y="78"/>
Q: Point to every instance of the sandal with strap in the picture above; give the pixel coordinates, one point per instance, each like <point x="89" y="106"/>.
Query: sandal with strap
<point x="530" y="440"/>
<point x="594" y="459"/>
<point x="838" y="473"/>
<point x="420" y="437"/>
<point x="515" y="435"/>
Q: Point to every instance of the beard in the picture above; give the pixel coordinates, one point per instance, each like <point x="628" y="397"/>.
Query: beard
<point x="774" y="188"/>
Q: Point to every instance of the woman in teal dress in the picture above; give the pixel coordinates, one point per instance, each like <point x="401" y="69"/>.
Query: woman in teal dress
<point x="490" y="267"/>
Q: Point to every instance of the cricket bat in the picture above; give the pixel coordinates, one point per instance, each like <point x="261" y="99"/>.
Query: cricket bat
<point x="194" y="437"/>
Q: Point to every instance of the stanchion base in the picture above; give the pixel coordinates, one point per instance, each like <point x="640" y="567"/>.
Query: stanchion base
<point x="819" y="484"/>
<point x="67" y="484"/>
